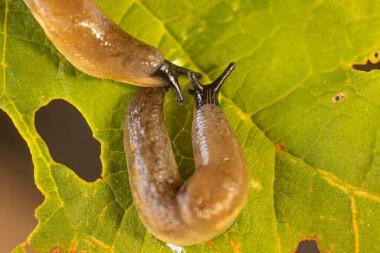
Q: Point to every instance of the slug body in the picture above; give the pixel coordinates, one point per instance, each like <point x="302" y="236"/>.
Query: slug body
<point x="94" y="44"/>
<point x="204" y="206"/>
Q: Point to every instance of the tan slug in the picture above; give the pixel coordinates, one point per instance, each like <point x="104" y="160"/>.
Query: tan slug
<point x="185" y="213"/>
<point x="94" y="44"/>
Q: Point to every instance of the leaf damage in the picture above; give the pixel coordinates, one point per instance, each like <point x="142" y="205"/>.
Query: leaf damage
<point x="370" y="65"/>
<point x="280" y="147"/>
<point x="286" y="95"/>
<point x="339" y="97"/>
<point x="309" y="244"/>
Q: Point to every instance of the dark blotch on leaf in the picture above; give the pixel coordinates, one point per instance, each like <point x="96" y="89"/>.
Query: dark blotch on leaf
<point x="339" y="97"/>
<point x="69" y="138"/>
<point x="307" y="246"/>
<point x="369" y="66"/>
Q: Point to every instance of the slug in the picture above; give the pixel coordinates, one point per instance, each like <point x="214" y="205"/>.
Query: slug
<point x="94" y="44"/>
<point x="191" y="212"/>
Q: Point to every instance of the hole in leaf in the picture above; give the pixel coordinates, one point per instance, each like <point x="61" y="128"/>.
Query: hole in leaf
<point x="19" y="196"/>
<point x="368" y="66"/>
<point x="69" y="138"/>
<point x="307" y="246"/>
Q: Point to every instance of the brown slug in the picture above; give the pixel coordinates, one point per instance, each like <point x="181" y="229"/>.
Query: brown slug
<point x="94" y="44"/>
<point x="185" y="213"/>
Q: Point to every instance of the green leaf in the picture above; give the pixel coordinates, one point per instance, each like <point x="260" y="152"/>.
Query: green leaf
<point x="315" y="161"/>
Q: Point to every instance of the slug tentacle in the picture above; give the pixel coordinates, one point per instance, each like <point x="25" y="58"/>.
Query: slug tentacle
<point x="170" y="72"/>
<point x="208" y="94"/>
<point x="207" y="203"/>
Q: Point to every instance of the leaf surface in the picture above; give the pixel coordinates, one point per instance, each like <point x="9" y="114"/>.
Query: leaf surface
<point x="314" y="158"/>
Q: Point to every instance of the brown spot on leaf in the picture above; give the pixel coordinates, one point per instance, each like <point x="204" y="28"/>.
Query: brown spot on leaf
<point x="56" y="249"/>
<point x="339" y="97"/>
<point x="280" y="147"/>
<point x="235" y="246"/>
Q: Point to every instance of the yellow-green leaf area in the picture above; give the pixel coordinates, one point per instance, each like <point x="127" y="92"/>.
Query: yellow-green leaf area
<point x="314" y="159"/>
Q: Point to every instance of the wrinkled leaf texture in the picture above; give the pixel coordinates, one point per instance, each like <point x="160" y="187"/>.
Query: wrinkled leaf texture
<point x="314" y="162"/>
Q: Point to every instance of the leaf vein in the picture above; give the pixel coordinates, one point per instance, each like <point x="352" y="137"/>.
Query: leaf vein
<point x="6" y="10"/>
<point x="355" y="225"/>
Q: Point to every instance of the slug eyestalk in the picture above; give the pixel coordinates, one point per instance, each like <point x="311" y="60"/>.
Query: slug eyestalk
<point x="170" y="73"/>
<point x="208" y="94"/>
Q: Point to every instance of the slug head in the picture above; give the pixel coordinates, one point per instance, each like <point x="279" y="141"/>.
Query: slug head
<point x="208" y="94"/>
<point x="170" y="73"/>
